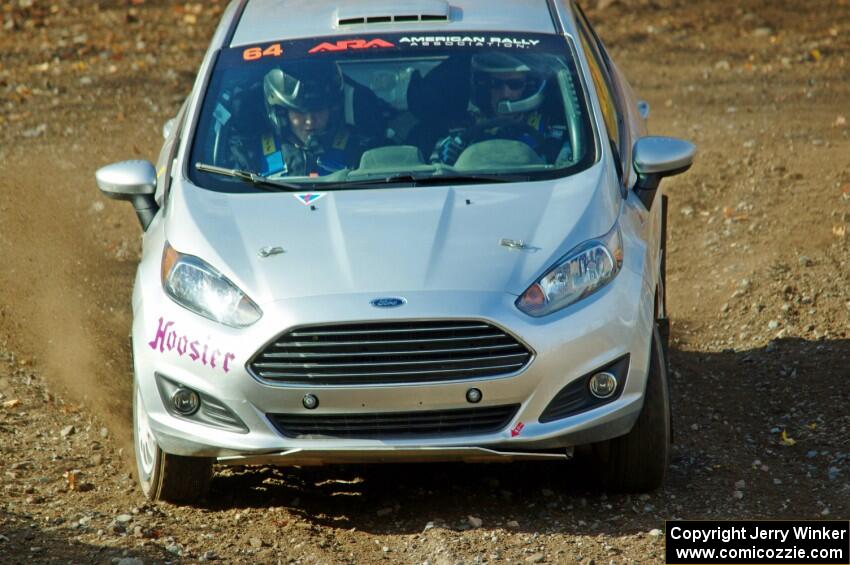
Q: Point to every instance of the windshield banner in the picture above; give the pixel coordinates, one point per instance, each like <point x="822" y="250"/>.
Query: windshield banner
<point x="358" y="45"/>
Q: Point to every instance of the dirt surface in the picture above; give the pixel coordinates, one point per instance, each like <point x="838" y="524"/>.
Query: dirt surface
<point x="758" y="294"/>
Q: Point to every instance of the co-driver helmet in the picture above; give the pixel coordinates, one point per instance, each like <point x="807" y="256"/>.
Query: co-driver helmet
<point x="484" y="68"/>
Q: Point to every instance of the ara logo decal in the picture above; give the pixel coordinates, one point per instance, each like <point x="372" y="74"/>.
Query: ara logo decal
<point x="307" y="198"/>
<point x="168" y="339"/>
<point x="346" y="44"/>
<point x="517" y="429"/>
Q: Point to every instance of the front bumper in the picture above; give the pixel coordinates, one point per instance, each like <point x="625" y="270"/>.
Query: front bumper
<point x="211" y="359"/>
<point x="306" y="457"/>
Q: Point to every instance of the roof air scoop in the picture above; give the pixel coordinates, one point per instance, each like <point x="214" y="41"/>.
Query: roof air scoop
<point x="383" y="12"/>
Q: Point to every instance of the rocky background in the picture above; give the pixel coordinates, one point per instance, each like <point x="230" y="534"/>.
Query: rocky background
<point x="758" y="293"/>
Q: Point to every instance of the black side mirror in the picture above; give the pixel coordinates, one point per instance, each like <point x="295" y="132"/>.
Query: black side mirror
<point x="134" y="181"/>
<point x="658" y="157"/>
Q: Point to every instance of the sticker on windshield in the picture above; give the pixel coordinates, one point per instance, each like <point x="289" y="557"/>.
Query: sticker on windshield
<point x="308" y="198"/>
<point x="257" y="53"/>
<point x="221" y="114"/>
<point x="283" y="51"/>
<point x="349" y="44"/>
<point x="468" y="41"/>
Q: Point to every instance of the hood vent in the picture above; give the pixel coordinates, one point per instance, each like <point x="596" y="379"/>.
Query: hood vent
<point x="396" y="12"/>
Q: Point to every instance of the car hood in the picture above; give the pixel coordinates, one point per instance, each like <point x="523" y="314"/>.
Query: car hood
<point x="394" y="240"/>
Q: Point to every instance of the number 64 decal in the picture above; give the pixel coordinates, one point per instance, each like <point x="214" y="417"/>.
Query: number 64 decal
<point x="255" y="53"/>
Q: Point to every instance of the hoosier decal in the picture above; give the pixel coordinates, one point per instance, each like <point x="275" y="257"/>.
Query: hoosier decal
<point x="168" y="339"/>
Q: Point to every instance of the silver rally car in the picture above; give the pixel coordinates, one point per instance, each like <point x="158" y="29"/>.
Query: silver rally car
<point x="401" y="231"/>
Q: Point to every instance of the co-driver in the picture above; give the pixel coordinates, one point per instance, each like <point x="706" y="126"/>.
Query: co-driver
<point x="507" y="99"/>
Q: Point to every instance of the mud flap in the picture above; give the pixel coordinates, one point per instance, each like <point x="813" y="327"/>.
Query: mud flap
<point x="664" y="332"/>
<point x="663" y="322"/>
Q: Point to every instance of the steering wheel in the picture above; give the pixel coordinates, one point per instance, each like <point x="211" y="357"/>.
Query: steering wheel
<point x="508" y="128"/>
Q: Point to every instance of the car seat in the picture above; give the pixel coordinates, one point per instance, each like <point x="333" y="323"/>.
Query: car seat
<point x="437" y="109"/>
<point x="365" y="111"/>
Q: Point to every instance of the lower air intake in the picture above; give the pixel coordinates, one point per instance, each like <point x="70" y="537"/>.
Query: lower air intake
<point x="395" y="425"/>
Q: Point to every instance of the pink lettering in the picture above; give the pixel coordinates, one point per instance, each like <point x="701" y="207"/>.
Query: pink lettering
<point x="227" y="358"/>
<point x="160" y="336"/>
<point x="213" y="356"/>
<point x="168" y="338"/>
<point x="194" y="347"/>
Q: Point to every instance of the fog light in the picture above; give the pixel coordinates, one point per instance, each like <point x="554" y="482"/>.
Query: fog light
<point x="603" y="385"/>
<point x="185" y="401"/>
<point x="310" y="401"/>
<point x="473" y="395"/>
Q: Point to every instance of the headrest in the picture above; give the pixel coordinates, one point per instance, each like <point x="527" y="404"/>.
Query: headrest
<point x="428" y="97"/>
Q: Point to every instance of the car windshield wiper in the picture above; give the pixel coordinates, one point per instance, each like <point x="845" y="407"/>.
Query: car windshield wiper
<point x="417" y="180"/>
<point x="253" y="178"/>
<point x="462" y="179"/>
<point x="426" y="180"/>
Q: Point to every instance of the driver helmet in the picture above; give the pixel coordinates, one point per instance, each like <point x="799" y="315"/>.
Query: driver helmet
<point x="489" y="70"/>
<point x="307" y="88"/>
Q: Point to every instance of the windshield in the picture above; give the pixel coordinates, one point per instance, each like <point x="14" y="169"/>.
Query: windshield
<point x="390" y="110"/>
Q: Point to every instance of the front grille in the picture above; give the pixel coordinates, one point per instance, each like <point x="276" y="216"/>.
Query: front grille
<point x="389" y="352"/>
<point x="390" y="425"/>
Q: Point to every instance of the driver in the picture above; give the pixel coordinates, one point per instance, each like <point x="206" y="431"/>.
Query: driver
<point x="507" y="95"/>
<point x="307" y="134"/>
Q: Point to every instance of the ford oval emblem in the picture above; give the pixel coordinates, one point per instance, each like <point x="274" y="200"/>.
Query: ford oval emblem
<point x="388" y="302"/>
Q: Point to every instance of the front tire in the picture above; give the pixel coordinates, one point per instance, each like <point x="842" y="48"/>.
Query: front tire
<point x="163" y="476"/>
<point x="638" y="461"/>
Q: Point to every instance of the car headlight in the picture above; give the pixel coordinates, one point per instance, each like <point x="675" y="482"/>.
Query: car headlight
<point x="195" y="285"/>
<point x="580" y="273"/>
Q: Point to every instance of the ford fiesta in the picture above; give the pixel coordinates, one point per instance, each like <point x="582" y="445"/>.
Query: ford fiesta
<point x="401" y="231"/>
